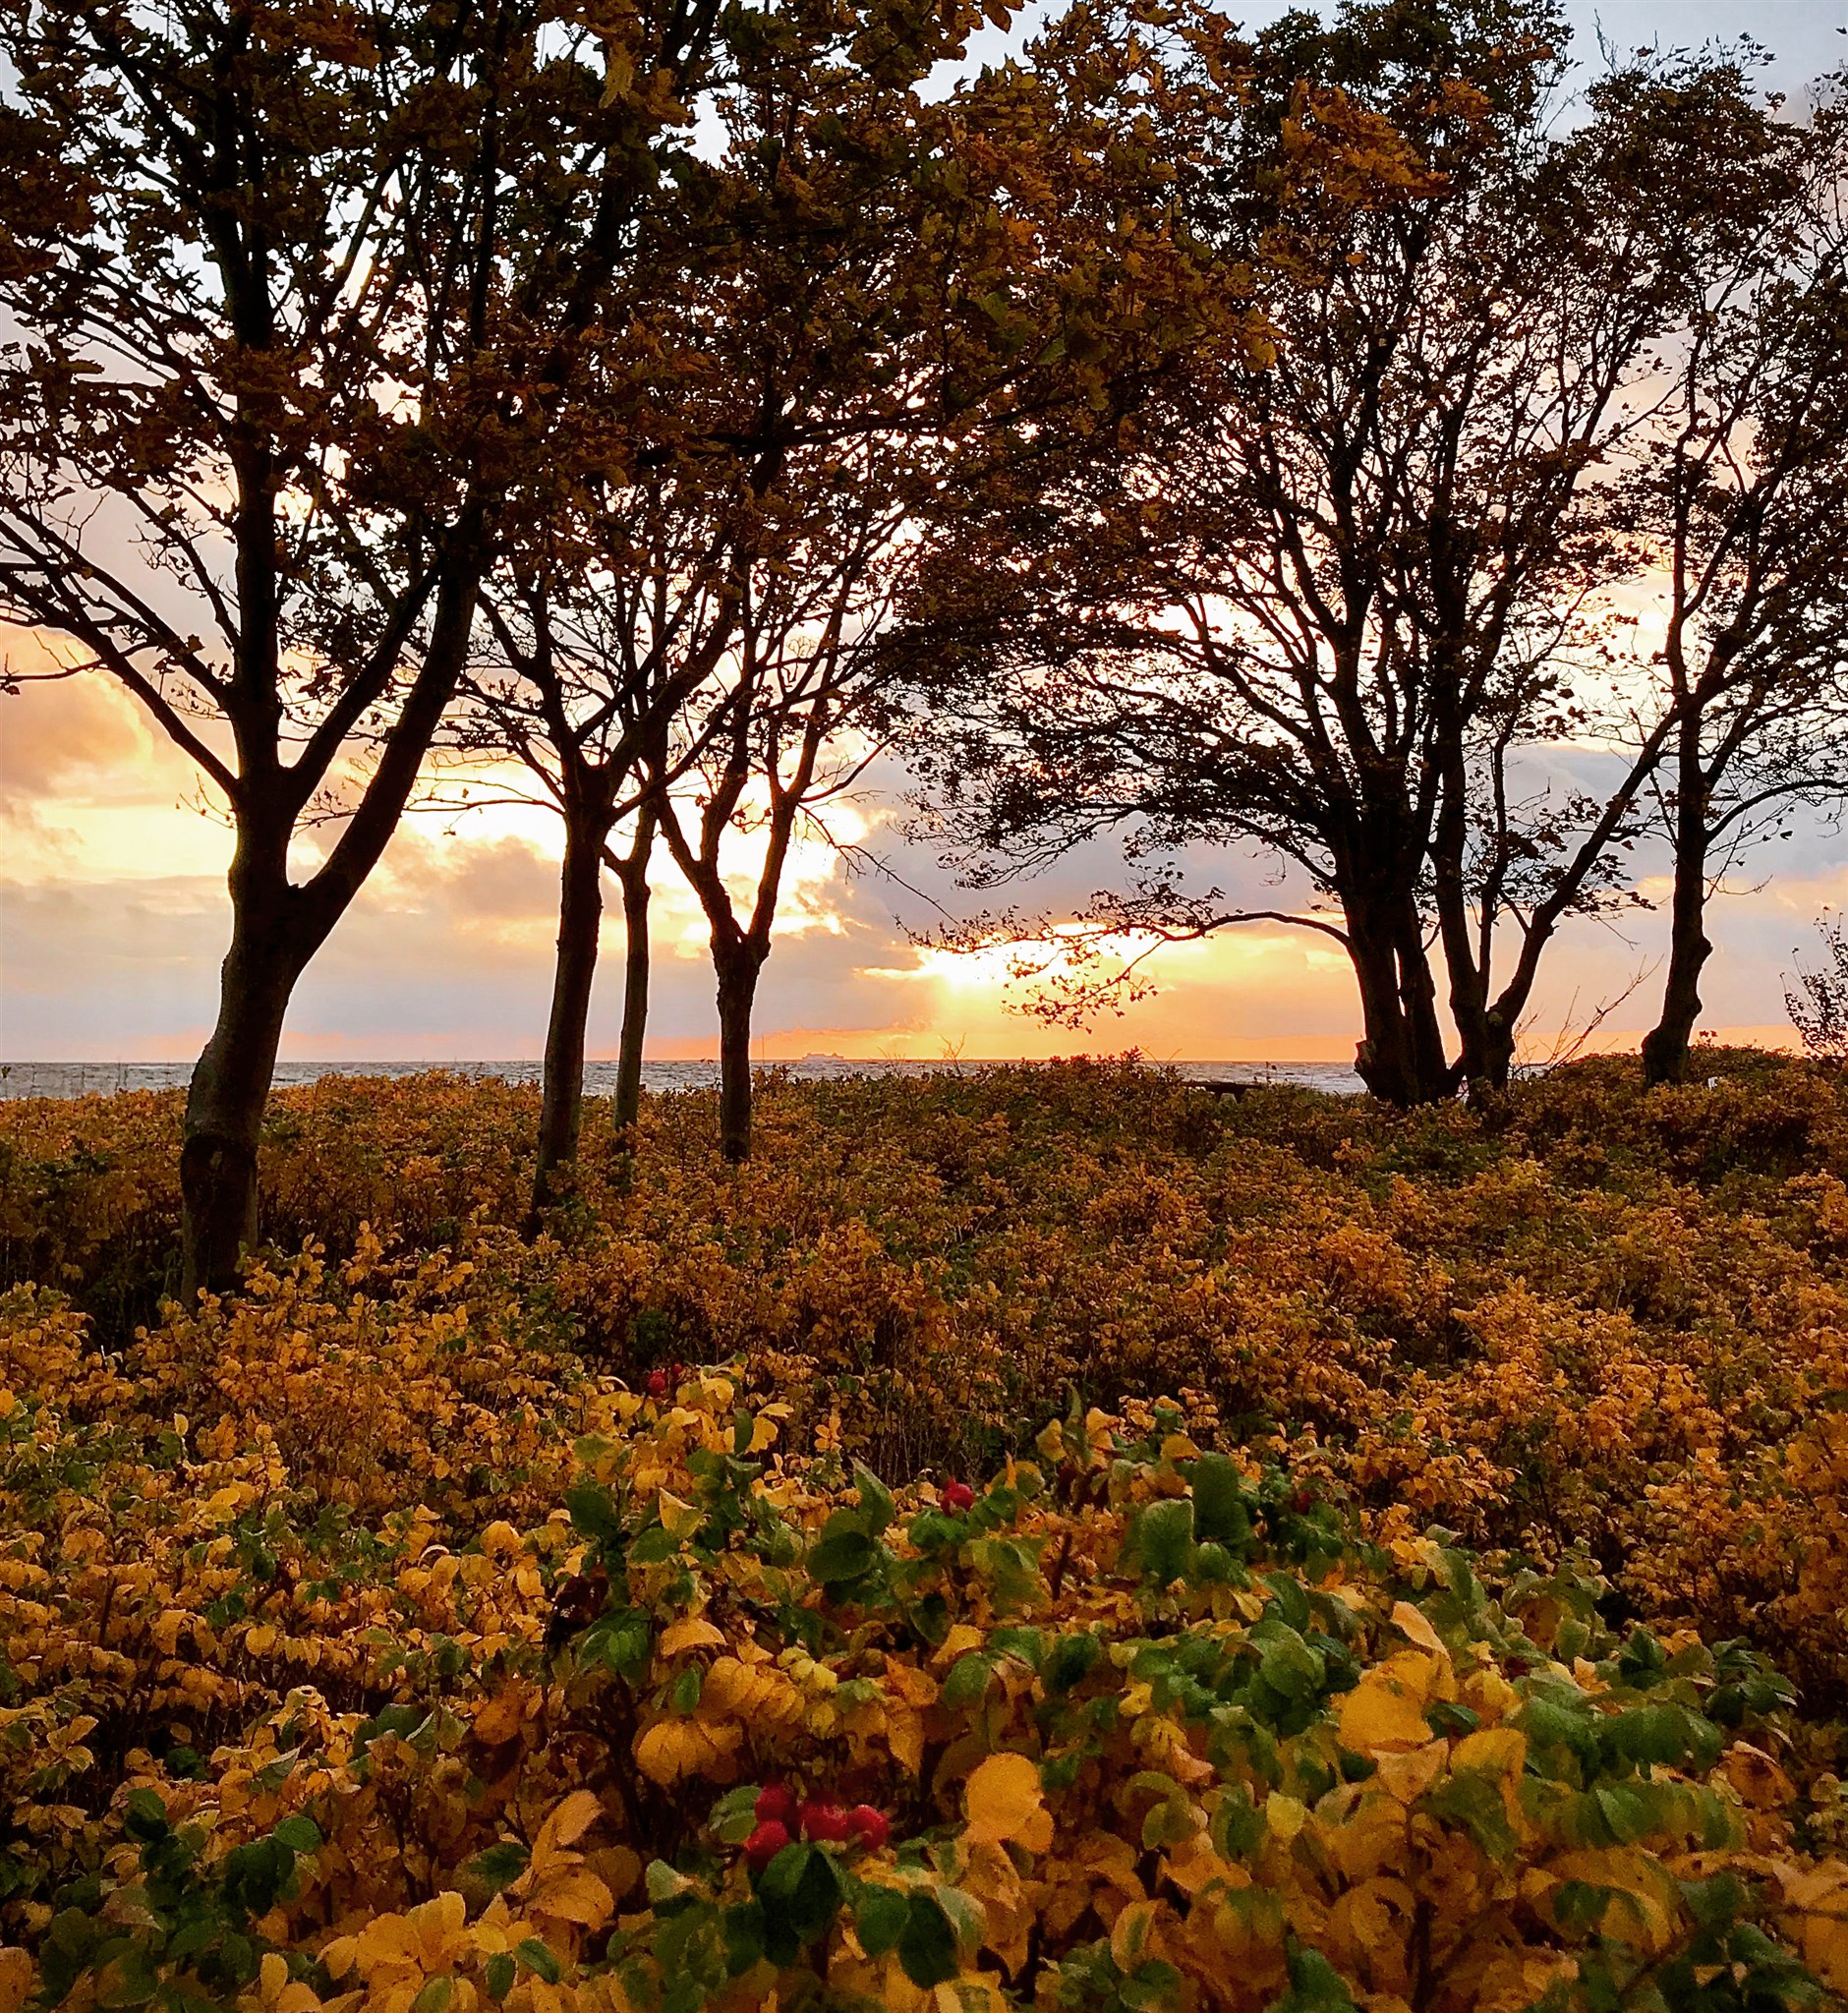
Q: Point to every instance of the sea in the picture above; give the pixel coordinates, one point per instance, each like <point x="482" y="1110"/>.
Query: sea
<point x="80" y="1079"/>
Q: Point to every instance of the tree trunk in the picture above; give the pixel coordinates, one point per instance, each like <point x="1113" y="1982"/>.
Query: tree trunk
<point x="1434" y="1078"/>
<point x="580" y="922"/>
<point x="1384" y="1057"/>
<point x="738" y="965"/>
<point x="1400" y="1057"/>
<point x="1665" y="1046"/>
<point x="229" y="1088"/>
<point x="632" y="872"/>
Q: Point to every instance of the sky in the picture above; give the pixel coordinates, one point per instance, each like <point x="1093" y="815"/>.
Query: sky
<point x="113" y="914"/>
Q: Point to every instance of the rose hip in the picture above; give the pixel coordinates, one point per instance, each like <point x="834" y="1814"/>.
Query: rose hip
<point x="822" y="1822"/>
<point x="776" y="1804"/>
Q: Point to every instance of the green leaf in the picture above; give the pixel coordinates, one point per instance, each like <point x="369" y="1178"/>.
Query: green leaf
<point x="1073" y="1660"/>
<point x="1163" y="1538"/>
<point x="743" y="1925"/>
<point x="538" y="1958"/>
<point x="299" y="1833"/>
<point x="499" y="1975"/>
<point x="842" y="1553"/>
<point x="1220" y="1513"/>
<point x="880" y="1916"/>
<point x="927" y="1944"/>
<point x="146" y="1816"/>
<point x="500" y="1865"/>
<point x="592" y="1512"/>
<point x="967" y="1682"/>
<point x="876" y="1506"/>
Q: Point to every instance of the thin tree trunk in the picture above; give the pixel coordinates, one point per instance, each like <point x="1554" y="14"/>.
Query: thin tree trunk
<point x="580" y="923"/>
<point x="1665" y="1047"/>
<point x="230" y="1083"/>
<point x="738" y="965"/>
<point x="632" y="870"/>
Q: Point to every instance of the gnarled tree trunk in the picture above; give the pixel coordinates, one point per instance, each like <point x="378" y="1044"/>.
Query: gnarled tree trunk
<point x="1666" y="1048"/>
<point x="580" y="925"/>
<point x="739" y="963"/>
<point x="632" y="869"/>
<point x="229" y="1089"/>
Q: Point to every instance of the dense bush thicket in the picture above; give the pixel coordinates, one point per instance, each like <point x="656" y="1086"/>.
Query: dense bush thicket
<point x="422" y="1626"/>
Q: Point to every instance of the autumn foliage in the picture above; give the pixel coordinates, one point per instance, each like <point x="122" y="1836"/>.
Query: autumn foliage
<point x="697" y="1605"/>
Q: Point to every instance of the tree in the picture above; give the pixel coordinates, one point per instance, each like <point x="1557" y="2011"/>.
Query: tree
<point x="1329" y="607"/>
<point x="1740" y="510"/>
<point x="604" y="657"/>
<point x="301" y="290"/>
<point x="799" y="708"/>
<point x="868" y="300"/>
<point x="1818" y="1007"/>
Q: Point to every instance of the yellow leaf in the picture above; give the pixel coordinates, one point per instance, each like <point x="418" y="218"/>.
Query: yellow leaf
<point x="1386" y="1708"/>
<point x="565" y="1824"/>
<point x="1005" y="1802"/>
<point x="1416" y="1628"/>
<point x="1131" y="1936"/>
<point x="1756" y="1777"/>
<point x="1494" y="1751"/>
<point x="1286" y="1816"/>
<point x="694" y="1632"/>
<point x="577" y="1896"/>
<point x="619" y="1868"/>
<point x="503" y="1716"/>
<point x="963" y="1638"/>
<point x="15" y="1979"/>
<point x="674" y="1747"/>
<point x="681" y="1519"/>
<point x="1408" y="1773"/>
<point x="388" y="1939"/>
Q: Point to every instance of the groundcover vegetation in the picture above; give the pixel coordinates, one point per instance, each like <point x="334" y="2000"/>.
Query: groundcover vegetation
<point x="1040" y="1538"/>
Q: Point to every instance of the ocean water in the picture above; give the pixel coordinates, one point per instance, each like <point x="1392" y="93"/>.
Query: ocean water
<point x="78" y="1079"/>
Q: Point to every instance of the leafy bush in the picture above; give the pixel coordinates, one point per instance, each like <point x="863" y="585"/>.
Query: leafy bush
<point x="1596" y="1319"/>
<point x="1130" y="1724"/>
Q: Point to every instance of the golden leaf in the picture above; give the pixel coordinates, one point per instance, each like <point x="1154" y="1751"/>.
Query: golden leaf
<point x="577" y="1896"/>
<point x="1494" y="1751"/>
<point x="674" y="1747"/>
<point x="1131" y="1936"/>
<point x="1286" y="1816"/>
<point x="503" y="1715"/>
<point x="1416" y="1628"/>
<point x="1386" y="1708"/>
<point x="388" y="1939"/>
<point x="565" y="1823"/>
<point x="1005" y="1801"/>
<point x="1409" y="1773"/>
<point x="1756" y="1777"/>
<point x="694" y="1632"/>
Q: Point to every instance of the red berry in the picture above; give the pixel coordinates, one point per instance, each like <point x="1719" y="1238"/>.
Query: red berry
<point x="824" y="1822"/>
<point x="657" y="1383"/>
<point x="1302" y="1500"/>
<point x="872" y="1827"/>
<point x="765" y="1843"/>
<point x="958" y="1495"/>
<point x="776" y="1804"/>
